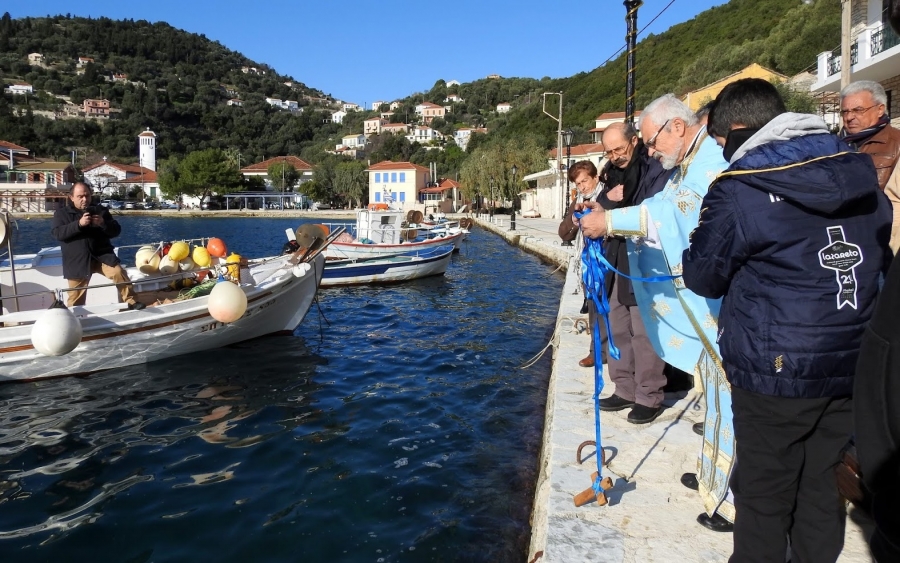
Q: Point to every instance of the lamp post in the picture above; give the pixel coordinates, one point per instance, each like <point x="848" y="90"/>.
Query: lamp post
<point x="512" y="213"/>
<point x="491" y="211"/>
<point x="568" y="134"/>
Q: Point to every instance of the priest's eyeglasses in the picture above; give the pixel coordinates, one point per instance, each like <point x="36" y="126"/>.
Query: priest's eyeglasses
<point x="651" y="142"/>
<point x="856" y="111"/>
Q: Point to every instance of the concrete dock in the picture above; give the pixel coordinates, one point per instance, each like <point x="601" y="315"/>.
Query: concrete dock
<point x="651" y="517"/>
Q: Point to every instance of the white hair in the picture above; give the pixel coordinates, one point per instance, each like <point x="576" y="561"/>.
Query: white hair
<point x="666" y="108"/>
<point x="870" y="86"/>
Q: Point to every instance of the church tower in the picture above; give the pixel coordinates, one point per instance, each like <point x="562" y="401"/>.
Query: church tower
<point x="147" y="149"/>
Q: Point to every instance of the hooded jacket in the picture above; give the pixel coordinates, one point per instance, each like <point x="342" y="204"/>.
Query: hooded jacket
<point x="794" y="235"/>
<point x="80" y="245"/>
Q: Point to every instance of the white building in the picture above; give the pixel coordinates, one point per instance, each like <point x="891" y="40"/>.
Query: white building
<point x="423" y="134"/>
<point x="604" y="120"/>
<point x="377" y="105"/>
<point x="20" y="88"/>
<point x="352" y="141"/>
<point x="394" y="105"/>
<point x="35" y="59"/>
<point x="347" y="106"/>
<point x="454" y="98"/>
<point x="372" y="126"/>
<point x="398" y="183"/>
<point x="504" y="107"/>
<point x="338" y="116"/>
<point x="461" y="136"/>
<point x="147" y="149"/>
<point x="453" y="83"/>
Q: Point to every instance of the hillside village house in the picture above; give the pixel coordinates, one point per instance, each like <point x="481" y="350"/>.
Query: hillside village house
<point x="453" y="98"/>
<point x="353" y="141"/>
<point x="82" y="61"/>
<point x="453" y="83"/>
<point x="504" y="107"/>
<point x="30" y="184"/>
<point x="235" y="102"/>
<point x="372" y="126"/>
<point x="19" y="88"/>
<point x="387" y="115"/>
<point x="697" y="98"/>
<point x="35" y="59"/>
<point x="604" y="120"/>
<point x="874" y="55"/>
<point x="377" y="105"/>
<point x="395" y="128"/>
<point x="96" y="108"/>
<point x="338" y="116"/>
<point x="347" y="106"/>
<point x="394" y="105"/>
<point x="119" y="77"/>
<point x="428" y="111"/>
<point x="422" y="134"/>
<point x="463" y="134"/>
<point x="397" y="182"/>
<point x="446" y="197"/>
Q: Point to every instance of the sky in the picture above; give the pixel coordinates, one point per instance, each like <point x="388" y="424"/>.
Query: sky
<point x="367" y="50"/>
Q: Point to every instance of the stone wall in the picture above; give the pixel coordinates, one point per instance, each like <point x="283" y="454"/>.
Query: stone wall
<point x="859" y="18"/>
<point x="892" y="85"/>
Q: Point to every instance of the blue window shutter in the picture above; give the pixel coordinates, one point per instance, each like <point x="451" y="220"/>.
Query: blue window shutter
<point x="402" y="196"/>
<point x="377" y="177"/>
<point x="393" y="177"/>
<point x="403" y="176"/>
<point x="377" y="197"/>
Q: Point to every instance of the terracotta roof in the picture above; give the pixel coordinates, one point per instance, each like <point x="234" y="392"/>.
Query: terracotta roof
<point x="580" y="150"/>
<point x="374" y="119"/>
<point x="390" y="165"/>
<point x="147" y="133"/>
<point x="393" y="125"/>
<point x="264" y="165"/>
<point x="41" y="166"/>
<point x="616" y="115"/>
<point x="8" y="145"/>
<point x="434" y="190"/>
<point x="448" y="183"/>
<point x="429" y="105"/>
<point x="136" y="171"/>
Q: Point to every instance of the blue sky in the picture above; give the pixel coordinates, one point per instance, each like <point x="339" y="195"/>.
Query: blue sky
<point x="367" y="50"/>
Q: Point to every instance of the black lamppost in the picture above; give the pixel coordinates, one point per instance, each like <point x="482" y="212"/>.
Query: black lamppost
<point x="491" y="212"/>
<point x="568" y="134"/>
<point x="512" y="213"/>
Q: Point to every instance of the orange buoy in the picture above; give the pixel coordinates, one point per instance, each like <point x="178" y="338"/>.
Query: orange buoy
<point x="216" y="247"/>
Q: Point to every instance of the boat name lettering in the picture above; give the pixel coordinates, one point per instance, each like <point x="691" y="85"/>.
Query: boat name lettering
<point x="211" y="326"/>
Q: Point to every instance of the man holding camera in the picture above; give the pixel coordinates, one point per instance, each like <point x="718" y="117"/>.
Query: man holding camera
<point x="84" y="232"/>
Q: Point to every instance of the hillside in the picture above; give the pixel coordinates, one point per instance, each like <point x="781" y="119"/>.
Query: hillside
<point x="174" y="82"/>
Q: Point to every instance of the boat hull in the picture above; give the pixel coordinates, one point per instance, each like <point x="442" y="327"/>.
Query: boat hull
<point x="390" y="269"/>
<point x="278" y="303"/>
<point x="361" y="250"/>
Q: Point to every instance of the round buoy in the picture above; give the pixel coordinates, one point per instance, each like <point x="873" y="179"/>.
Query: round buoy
<point x="227" y="302"/>
<point x="147" y="259"/>
<point x="167" y="266"/>
<point x="201" y="257"/>
<point x="179" y="251"/>
<point x="56" y="333"/>
<point x="185" y="264"/>
<point x="233" y="265"/>
<point x="216" y="247"/>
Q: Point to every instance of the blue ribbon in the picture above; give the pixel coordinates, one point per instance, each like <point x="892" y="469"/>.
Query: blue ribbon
<point x="594" y="269"/>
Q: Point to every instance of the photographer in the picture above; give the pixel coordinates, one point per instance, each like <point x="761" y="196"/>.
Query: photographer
<point x="84" y="232"/>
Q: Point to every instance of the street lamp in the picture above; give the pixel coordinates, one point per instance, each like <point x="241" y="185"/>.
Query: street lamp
<point x="512" y="213"/>
<point x="491" y="211"/>
<point x="568" y="134"/>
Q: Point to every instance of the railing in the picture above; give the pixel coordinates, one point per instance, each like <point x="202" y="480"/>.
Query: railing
<point x="834" y="63"/>
<point x="883" y="39"/>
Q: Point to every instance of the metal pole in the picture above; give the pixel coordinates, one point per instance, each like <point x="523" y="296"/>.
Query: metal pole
<point x="568" y="183"/>
<point x="846" y="64"/>
<point x="512" y="214"/>
<point x="631" y="39"/>
<point x="558" y="141"/>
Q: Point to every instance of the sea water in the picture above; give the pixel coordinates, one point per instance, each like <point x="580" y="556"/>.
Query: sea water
<point x="396" y="424"/>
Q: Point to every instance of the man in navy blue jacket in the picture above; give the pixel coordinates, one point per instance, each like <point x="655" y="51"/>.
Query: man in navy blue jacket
<point x="794" y="236"/>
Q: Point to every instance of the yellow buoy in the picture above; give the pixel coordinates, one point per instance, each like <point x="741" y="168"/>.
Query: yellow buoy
<point x="233" y="263"/>
<point x="179" y="251"/>
<point x="201" y="257"/>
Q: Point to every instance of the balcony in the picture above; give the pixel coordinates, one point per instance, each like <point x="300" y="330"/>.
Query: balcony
<point x="874" y="55"/>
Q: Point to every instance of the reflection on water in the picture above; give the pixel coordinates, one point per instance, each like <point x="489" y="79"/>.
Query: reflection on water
<point x="394" y="425"/>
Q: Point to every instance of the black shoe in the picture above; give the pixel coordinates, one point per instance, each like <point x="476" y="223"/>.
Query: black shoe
<point x="642" y="415"/>
<point x="689" y="480"/>
<point x="698" y="428"/>
<point x="715" y="523"/>
<point x="136" y="306"/>
<point x="615" y="403"/>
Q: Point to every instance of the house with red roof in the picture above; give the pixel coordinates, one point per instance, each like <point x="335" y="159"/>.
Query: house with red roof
<point x="428" y="112"/>
<point x="29" y="184"/>
<point x="261" y="169"/>
<point x="115" y="178"/>
<point x="604" y="120"/>
<point x="398" y="183"/>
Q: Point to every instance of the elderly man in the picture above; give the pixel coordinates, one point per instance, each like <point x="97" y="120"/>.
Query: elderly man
<point x="630" y="176"/>
<point x="680" y="324"/>
<point x="794" y="237"/>
<point x="84" y="232"/>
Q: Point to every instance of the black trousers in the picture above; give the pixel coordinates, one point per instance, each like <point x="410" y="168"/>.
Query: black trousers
<point x="784" y="487"/>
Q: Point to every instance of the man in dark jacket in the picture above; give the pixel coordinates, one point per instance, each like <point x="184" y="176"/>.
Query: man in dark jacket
<point x="794" y="235"/>
<point x="630" y="176"/>
<point x="84" y="232"/>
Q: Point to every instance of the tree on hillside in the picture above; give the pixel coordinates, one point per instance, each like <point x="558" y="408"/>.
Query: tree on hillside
<point x="207" y="171"/>
<point x="351" y="182"/>
<point x="283" y="176"/>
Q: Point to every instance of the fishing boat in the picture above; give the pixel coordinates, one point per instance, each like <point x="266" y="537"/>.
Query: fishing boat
<point x="387" y="269"/>
<point x="382" y="232"/>
<point x="41" y="338"/>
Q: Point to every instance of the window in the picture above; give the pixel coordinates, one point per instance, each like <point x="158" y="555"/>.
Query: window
<point x="377" y="177"/>
<point x="393" y="177"/>
<point x="402" y="177"/>
<point x="402" y="196"/>
<point x="377" y="197"/>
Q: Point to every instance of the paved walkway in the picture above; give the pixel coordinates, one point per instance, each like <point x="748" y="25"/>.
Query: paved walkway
<point x="651" y="516"/>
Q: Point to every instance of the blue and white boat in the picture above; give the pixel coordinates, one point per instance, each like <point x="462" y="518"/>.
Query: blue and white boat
<point x="387" y="269"/>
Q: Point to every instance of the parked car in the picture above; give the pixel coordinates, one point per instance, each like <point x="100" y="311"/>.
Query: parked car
<point x="150" y="204"/>
<point x="115" y="204"/>
<point x="167" y="205"/>
<point x="210" y="205"/>
<point x="320" y="205"/>
<point x="129" y="205"/>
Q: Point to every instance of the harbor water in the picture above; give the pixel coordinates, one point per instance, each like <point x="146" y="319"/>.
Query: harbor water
<point x="396" y="424"/>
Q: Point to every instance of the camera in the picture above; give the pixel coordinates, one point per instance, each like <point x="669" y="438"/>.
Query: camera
<point x="92" y="210"/>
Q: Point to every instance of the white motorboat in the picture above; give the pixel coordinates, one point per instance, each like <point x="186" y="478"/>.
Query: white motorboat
<point x="279" y="291"/>
<point x="387" y="269"/>
<point x="380" y="232"/>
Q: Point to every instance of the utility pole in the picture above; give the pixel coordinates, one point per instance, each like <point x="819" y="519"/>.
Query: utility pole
<point x="631" y="40"/>
<point x="559" y="144"/>
<point x="846" y="8"/>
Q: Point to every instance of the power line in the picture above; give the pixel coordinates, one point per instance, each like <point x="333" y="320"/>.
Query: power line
<point x="639" y="32"/>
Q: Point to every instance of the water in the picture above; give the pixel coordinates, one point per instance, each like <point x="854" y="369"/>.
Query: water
<point x="395" y="425"/>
